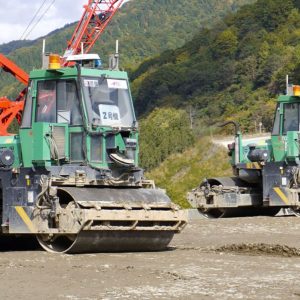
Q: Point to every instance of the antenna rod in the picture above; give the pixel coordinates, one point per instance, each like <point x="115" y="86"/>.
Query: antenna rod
<point x="45" y="58"/>
<point x="44" y="46"/>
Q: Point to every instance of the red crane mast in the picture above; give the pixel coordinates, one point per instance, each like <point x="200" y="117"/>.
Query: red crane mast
<point x="97" y="14"/>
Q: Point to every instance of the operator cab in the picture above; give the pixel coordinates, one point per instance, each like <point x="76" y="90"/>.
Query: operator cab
<point x="287" y="115"/>
<point x="107" y="102"/>
<point x="286" y="126"/>
<point x="79" y="115"/>
<point x="290" y="113"/>
<point x="81" y="94"/>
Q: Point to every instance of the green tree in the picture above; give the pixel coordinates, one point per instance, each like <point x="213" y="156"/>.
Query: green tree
<point x="225" y="44"/>
<point x="163" y="132"/>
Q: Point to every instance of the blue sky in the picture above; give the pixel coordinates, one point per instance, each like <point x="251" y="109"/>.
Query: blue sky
<point x="15" y="16"/>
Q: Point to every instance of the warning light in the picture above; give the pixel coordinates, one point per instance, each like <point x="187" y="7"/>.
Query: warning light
<point x="54" y="61"/>
<point x="296" y="90"/>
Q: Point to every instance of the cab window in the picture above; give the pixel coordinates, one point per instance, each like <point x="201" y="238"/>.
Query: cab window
<point x="276" y="126"/>
<point x="291" y="117"/>
<point x="57" y="102"/>
<point x="26" y="118"/>
<point x="46" y="102"/>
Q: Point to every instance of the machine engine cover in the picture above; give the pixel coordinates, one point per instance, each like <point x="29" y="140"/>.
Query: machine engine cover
<point x="258" y="155"/>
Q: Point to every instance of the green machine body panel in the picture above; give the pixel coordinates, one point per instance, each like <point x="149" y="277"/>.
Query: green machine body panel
<point x="278" y="147"/>
<point x="292" y="142"/>
<point x="40" y="149"/>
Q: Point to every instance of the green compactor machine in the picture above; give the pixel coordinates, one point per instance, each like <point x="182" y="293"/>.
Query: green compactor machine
<point x="266" y="175"/>
<point x="71" y="177"/>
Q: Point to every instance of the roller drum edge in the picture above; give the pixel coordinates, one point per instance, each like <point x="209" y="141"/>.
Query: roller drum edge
<point x="108" y="241"/>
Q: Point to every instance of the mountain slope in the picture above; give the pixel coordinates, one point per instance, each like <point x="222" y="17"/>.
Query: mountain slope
<point x="181" y="172"/>
<point x="14" y="45"/>
<point x="233" y="70"/>
<point x="144" y="28"/>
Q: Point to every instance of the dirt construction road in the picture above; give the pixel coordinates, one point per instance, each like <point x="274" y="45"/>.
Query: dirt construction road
<point x="243" y="258"/>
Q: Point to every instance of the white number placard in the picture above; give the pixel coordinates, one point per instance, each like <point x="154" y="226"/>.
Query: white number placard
<point x="110" y="114"/>
<point x="117" y="84"/>
<point x="91" y="83"/>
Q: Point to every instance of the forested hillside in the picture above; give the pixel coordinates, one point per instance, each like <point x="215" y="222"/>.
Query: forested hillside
<point x="13" y="45"/>
<point x="181" y="172"/>
<point x="144" y="28"/>
<point x="231" y="71"/>
<point x="163" y="132"/>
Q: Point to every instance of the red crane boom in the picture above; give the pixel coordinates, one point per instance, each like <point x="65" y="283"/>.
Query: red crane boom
<point x="8" y="66"/>
<point x="97" y="14"/>
<point x="10" y="110"/>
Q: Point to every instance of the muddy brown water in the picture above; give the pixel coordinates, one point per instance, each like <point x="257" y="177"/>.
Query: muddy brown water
<point x="242" y="258"/>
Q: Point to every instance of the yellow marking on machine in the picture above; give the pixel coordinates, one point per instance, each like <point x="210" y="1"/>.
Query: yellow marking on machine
<point x="254" y="165"/>
<point x="21" y="212"/>
<point x="281" y="195"/>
